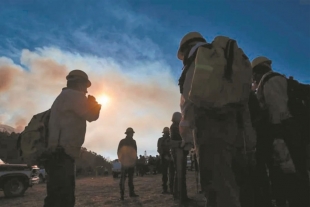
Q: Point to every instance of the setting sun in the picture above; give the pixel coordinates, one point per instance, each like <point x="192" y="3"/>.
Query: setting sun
<point x="103" y="100"/>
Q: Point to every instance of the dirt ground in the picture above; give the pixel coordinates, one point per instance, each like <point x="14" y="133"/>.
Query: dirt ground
<point x="104" y="191"/>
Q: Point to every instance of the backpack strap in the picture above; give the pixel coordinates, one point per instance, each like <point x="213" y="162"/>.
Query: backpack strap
<point x="229" y="56"/>
<point x="188" y="42"/>
<point x="186" y="62"/>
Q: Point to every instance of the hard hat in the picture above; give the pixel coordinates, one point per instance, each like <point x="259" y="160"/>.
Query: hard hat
<point x="191" y="36"/>
<point x="166" y="130"/>
<point x="78" y="74"/>
<point x="176" y="117"/>
<point x="261" y="60"/>
<point x="129" y="130"/>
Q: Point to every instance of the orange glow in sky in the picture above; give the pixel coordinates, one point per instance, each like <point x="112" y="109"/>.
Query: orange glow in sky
<point x="103" y="100"/>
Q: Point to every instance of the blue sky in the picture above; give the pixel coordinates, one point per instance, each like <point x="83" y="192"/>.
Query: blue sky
<point x="277" y="29"/>
<point x="141" y="38"/>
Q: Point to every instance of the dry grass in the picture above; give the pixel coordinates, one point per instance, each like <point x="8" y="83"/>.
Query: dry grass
<point x="104" y="191"/>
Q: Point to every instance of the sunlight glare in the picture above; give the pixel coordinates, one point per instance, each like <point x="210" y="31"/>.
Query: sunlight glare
<point x="103" y="100"/>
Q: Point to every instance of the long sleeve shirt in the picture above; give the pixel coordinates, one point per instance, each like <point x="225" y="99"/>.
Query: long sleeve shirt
<point x="67" y="124"/>
<point x="127" y="152"/>
<point x="175" y="132"/>
<point x="130" y="142"/>
<point x="163" y="145"/>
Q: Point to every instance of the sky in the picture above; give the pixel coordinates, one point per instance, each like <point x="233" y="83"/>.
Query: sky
<point x="128" y="49"/>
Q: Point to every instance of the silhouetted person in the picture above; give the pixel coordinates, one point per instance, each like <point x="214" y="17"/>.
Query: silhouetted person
<point x="210" y="111"/>
<point x="180" y="168"/>
<point x="127" y="153"/>
<point x="141" y="165"/>
<point x="289" y="183"/>
<point x="151" y="164"/>
<point x="158" y="164"/>
<point x="67" y="128"/>
<point x="163" y="148"/>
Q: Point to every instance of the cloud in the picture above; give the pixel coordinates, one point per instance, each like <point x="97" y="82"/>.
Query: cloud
<point x="117" y="52"/>
<point x="143" y="96"/>
<point x="131" y="19"/>
<point x="7" y="72"/>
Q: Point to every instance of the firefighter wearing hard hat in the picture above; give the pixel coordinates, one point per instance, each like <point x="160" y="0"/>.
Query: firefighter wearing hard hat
<point x="67" y="127"/>
<point x="163" y="148"/>
<point x="214" y="134"/>
<point x="291" y="183"/>
<point x="127" y="155"/>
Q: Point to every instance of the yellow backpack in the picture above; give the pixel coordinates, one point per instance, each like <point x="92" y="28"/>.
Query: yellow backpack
<point x="222" y="75"/>
<point x="32" y="142"/>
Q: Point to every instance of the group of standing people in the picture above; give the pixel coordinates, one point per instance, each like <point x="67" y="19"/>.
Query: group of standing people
<point x="173" y="160"/>
<point x="151" y="165"/>
<point x="169" y="149"/>
<point x="241" y="139"/>
<point x="228" y="139"/>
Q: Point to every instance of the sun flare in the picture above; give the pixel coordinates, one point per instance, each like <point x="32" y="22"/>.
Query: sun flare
<point x="103" y="100"/>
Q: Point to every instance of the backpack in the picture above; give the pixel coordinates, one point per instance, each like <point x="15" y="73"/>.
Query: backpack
<point x="222" y="74"/>
<point x="298" y="98"/>
<point x="298" y="101"/>
<point x="32" y="142"/>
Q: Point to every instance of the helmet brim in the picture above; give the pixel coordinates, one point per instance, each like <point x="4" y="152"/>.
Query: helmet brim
<point x="78" y="78"/>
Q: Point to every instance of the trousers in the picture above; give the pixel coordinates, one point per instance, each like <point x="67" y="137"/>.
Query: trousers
<point x="60" y="185"/>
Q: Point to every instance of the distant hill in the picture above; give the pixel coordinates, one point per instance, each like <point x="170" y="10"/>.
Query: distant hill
<point x="6" y="128"/>
<point x="87" y="164"/>
<point x="8" y="141"/>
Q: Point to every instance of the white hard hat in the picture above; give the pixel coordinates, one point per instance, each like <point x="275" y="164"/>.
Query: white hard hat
<point x="188" y="37"/>
<point x="261" y="60"/>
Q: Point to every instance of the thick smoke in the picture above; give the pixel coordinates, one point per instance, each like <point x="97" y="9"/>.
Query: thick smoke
<point x="143" y="96"/>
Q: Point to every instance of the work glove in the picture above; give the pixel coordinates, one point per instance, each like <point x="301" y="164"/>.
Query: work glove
<point x="94" y="105"/>
<point x="92" y="99"/>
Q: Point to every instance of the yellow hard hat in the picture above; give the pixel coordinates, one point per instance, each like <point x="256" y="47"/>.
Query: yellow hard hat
<point x="191" y="36"/>
<point x="78" y="73"/>
<point x="129" y="130"/>
<point x="166" y="130"/>
<point x="261" y="60"/>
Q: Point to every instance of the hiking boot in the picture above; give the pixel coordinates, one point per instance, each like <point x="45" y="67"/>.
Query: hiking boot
<point x="133" y="195"/>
